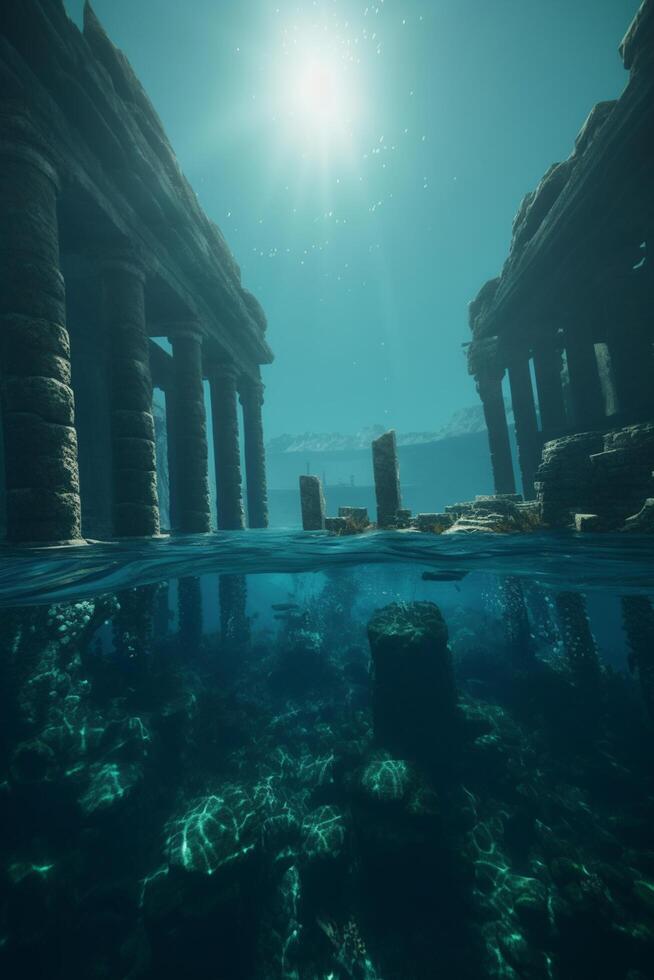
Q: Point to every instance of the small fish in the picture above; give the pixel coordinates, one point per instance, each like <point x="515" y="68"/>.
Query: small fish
<point x="443" y="576"/>
<point x="284" y="606"/>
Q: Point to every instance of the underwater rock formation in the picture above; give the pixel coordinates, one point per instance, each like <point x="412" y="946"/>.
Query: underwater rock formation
<point x="414" y="696"/>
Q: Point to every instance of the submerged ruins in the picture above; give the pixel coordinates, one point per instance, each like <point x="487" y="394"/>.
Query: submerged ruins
<point x="569" y="320"/>
<point x="104" y="249"/>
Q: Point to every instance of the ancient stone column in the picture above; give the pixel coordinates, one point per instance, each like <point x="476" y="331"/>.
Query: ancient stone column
<point x="234" y="623"/>
<point x="251" y="394"/>
<point x="526" y="422"/>
<point x="135" y="500"/>
<point x="224" y="414"/>
<point x="414" y="699"/>
<point x="638" y="618"/>
<point x="489" y="386"/>
<point x="40" y="443"/>
<point x="583" y="372"/>
<point x="386" y="469"/>
<point x="312" y="503"/>
<point x="578" y="643"/>
<point x="189" y="593"/>
<point x="190" y="485"/>
<point x="548" y="363"/>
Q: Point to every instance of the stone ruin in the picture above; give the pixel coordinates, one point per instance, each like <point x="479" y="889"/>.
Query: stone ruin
<point x="572" y="311"/>
<point x="104" y="248"/>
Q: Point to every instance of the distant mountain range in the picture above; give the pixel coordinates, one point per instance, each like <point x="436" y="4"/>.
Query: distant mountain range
<point x="467" y="421"/>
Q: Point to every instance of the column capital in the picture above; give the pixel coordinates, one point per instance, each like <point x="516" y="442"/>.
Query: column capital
<point x="190" y="329"/>
<point x="32" y="154"/>
<point x="127" y="259"/>
<point x="222" y="370"/>
<point x="23" y="140"/>
<point x="251" y="390"/>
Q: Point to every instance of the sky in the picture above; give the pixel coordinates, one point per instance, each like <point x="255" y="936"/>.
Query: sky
<point x="364" y="162"/>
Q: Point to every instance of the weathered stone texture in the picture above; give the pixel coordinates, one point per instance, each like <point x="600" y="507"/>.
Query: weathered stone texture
<point x="135" y="501"/>
<point x="414" y="695"/>
<point x="189" y="429"/>
<point x="251" y="394"/>
<point x="42" y="478"/>
<point x="312" y="502"/>
<point x="224" y="413"/>
<point x="607" y="474"/>
<point x="386" y="468"/>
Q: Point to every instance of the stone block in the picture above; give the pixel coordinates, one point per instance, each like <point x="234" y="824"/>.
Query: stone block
<point x="337" y="525"/>
<point x="587" y="522"/>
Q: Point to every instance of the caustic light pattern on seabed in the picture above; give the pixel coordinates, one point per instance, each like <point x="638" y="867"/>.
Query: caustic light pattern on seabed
<point x="336" y="777"/>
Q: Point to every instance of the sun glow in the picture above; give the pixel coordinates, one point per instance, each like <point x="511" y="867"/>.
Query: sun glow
<point x="319" y="96"/>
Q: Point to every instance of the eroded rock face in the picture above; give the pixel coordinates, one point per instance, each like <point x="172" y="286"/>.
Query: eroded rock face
<point x="414" y="696"/>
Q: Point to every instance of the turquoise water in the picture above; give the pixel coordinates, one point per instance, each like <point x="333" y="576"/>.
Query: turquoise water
<point x="283" y="755"/>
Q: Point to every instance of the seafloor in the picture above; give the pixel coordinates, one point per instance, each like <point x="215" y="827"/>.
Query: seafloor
<point x="303" y="757"/>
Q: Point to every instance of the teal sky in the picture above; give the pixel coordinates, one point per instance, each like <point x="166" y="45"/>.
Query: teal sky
<point x="366" y="230"/>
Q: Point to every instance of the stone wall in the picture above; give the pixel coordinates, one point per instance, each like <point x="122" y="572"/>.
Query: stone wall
<point x="608" y="474"/>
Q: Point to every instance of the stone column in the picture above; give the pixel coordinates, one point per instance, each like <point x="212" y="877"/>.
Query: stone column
<point x="548" y="363"/>
<point x="224" y="413"/>
<point x="489" y="386"/>
<point x="135" y="500"/>
<point x="526" y="422"/>
<point x="312" y="503"/>
<point x="41" y="470"/>
<point x="190" y="484"/>
<point x="386" y="469"/>
<point x="251" y="394"/>
<point x="583" y="372"/>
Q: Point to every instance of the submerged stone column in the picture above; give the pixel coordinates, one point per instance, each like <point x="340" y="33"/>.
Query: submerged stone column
<point x="526" y="422"/>
<point x="578" y="642"/>
<point x="190" y="484"/>
<point x="548" y="364"/>
<point x="414" y="699"/>
<point x="135" y="500"/>
<point x="251" y="394"/>
<point x="224" y="414"/>
<point x="386" y="469"/>
<point x="40" y="442"/>
<point x="489" y="386"/>
<point x="583" y="372"/>
<point x="638" y="619"/>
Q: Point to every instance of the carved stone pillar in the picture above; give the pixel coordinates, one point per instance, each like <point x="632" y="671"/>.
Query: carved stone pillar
<point x="548" y="363"/>
<point x="135" y="500"/>
<point x="251" y="393"/>
<point x="583" y="372"/>
<point x="489" y="386"/>
<point x="526" y="422"/>
<point x="40" y="442"/>
<point x="190" y="512"/>
<point x="224" y="414"/>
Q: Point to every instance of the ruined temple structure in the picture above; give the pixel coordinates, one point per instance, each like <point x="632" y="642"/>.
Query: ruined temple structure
<point x="570" y="318"/>
<point x="104" y="247"/>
